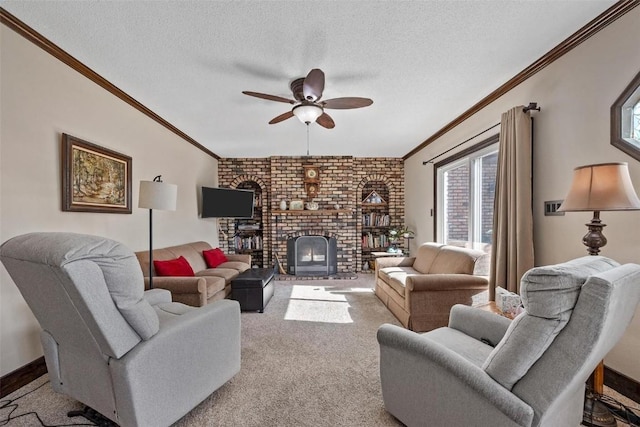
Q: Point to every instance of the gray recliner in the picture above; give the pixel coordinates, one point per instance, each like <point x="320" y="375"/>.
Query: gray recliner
<point x="535" y="375"/>
<point x="133" y="356"/>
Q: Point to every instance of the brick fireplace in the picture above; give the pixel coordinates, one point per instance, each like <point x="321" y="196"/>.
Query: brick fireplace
<point x="341" y="181"/>
<point x="312" y="255"/>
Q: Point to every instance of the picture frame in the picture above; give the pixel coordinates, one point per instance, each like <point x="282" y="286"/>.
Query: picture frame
<point x="94" y="178"/>
<point x="296" y="205"/>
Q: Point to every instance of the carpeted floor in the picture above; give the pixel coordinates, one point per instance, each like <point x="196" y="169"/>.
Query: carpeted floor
<point x="311" y="359"/>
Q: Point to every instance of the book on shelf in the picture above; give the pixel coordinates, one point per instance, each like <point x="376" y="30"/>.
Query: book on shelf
<point x="370" y="240"/>
<point x="247" y="243"/>
<point x="376" y="219"/>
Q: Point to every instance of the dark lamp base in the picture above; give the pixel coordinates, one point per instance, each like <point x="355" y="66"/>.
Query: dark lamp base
<point x="594" y="239"/>
<point x="596" y="414"/>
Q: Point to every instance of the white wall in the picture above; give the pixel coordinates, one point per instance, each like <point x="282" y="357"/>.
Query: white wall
<point x="41" y="98"/>
<point x="575" y="93"/>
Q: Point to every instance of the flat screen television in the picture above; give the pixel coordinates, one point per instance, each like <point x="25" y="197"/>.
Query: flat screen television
<point x="226" y="203"/>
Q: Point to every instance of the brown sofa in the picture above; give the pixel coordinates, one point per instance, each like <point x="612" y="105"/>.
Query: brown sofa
<point x="421" y="290"/>
<point x="208" y="285"/>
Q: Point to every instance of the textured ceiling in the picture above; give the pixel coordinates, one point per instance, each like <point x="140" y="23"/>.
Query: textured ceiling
<point x="422" y="62"/>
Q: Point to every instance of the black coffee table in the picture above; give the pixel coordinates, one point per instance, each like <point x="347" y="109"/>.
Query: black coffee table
<point x="253" y="288"/>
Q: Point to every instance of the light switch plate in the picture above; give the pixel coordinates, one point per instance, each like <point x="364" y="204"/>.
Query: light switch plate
<point x="551" y="208"/>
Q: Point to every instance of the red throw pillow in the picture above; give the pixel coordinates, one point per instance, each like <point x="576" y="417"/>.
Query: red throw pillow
<point x="214" y="257"/>
<point x="173" y="267"/>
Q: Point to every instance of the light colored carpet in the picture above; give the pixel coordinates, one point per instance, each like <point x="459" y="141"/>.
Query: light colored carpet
<point x="311" y="359"/>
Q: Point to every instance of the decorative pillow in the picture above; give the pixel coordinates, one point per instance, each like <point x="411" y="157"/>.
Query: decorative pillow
<point x="214" y="257"/>
<point x="549" y="294"/>
<point x="173" y="267"/>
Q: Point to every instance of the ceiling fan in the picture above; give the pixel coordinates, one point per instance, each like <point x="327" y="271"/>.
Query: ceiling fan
<point x="307" y="92"/>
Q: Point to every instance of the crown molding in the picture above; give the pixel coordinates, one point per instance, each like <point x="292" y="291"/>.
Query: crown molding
<point x="601" y="21"/>
<point x="48" y="46"/>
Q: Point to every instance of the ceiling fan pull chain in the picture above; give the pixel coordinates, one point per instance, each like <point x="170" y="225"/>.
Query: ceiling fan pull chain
<point x="307" y="139"/>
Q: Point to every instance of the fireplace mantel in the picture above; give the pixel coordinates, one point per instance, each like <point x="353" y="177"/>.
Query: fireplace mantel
<point x="311" y="212"/>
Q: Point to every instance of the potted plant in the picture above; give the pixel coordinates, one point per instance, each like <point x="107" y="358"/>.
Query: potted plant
<point x="406" y="232"/>
<point x="394" y="234"/>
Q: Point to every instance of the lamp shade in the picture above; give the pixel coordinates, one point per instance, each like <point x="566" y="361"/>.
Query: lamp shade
<point x="307" y="113"/>
<point x="601" y="187"/>
<point x="157" y="195"/>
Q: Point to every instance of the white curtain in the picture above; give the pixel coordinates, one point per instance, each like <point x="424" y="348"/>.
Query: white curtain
<point x="512" y="249"/>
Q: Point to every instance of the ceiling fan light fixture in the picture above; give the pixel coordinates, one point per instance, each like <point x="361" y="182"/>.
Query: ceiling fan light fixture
<point x="307" y="106"/>
<point x="307" y="113"/>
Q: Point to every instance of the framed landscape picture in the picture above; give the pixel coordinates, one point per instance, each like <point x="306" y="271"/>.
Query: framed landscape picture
<point x="94" y="179"/>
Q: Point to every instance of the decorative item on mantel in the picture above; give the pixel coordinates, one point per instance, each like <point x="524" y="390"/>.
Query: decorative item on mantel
<point x="311" y="173"/>
<point x="312" y="206"/>
<point x="296" y="205"/>
<point x="311" y="180"/>
<point x="311" y="188"/>
<point x="283" y="205"/>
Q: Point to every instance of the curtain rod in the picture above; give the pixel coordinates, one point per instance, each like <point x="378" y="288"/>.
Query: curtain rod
<point x="458" y="145"/>
<point x="531" y="106"/>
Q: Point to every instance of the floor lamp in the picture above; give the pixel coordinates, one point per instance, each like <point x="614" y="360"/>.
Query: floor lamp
<point x="599" y="187"/>
<point x="156" y="195"/>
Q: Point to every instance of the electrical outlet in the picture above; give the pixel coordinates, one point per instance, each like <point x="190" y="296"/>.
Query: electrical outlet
<point x="551" y="208"/>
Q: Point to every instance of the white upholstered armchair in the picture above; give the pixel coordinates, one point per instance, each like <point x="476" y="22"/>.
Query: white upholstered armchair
<point x="137" y="358"/>
<point x="535" y="375"/>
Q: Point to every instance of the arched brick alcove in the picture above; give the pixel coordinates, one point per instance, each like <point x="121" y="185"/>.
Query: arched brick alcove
<point x="395" y="203"/>
<point x="226" y="239"/>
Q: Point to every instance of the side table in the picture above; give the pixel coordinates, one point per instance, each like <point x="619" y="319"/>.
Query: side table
<point x="493" y="308"/>
<point x="385" y="254"/>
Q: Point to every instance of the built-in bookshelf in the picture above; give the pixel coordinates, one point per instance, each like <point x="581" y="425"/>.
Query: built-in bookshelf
<point x="376" y="220"/>
<point x="248" y="234"/>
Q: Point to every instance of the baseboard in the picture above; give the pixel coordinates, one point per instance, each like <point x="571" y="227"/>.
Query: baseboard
<point x="622" y="384"/>
<point x="22" y="376"/>
<point x="31" y="371"/>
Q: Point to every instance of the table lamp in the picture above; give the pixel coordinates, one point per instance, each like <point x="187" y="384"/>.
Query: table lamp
<point x="599" y="187"/>
<point x="156" y="195"/>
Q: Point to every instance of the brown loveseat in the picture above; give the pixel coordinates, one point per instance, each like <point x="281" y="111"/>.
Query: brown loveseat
<point x="421" y="290"/>
<point x="208" y="285"/>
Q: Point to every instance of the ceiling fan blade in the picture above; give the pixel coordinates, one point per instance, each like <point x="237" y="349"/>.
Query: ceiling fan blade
<point x="346" y="103"/>
<point x="281" y="117"/>
<point x="313" y="85"/>
<point x="269" y="97"/>
<point x="326" y="121"/>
